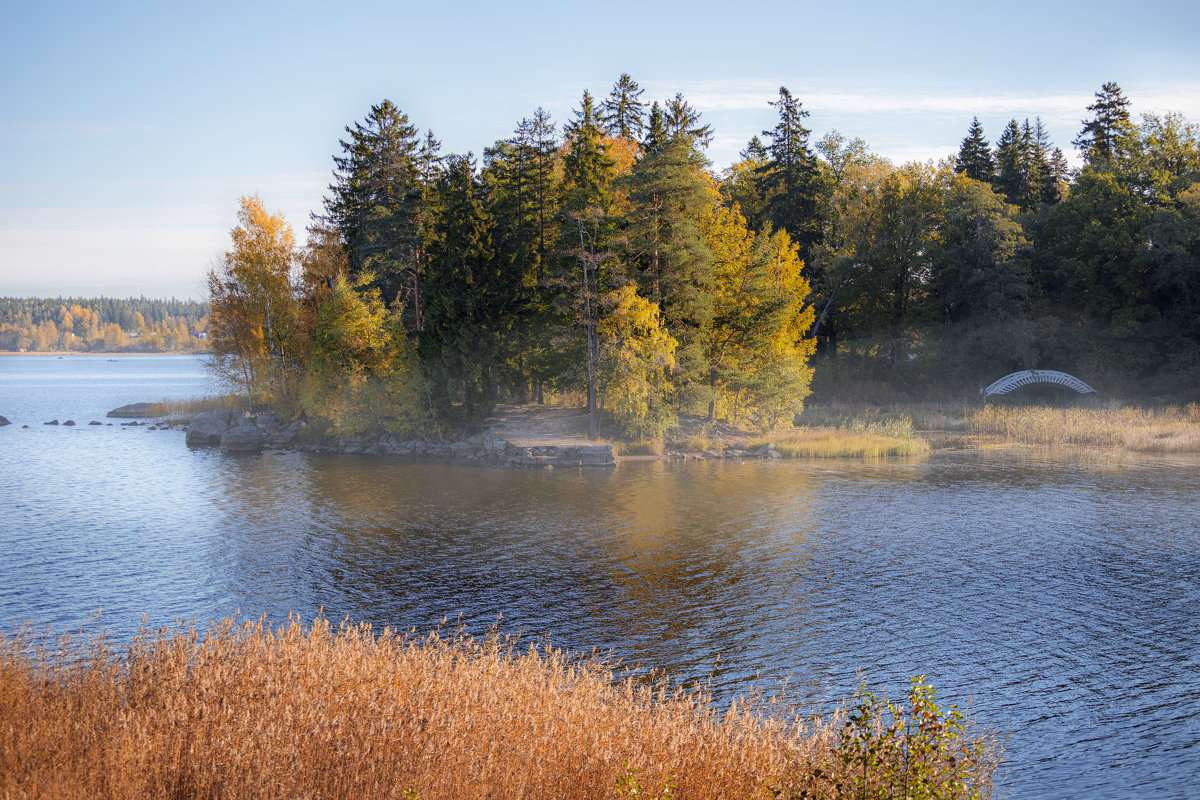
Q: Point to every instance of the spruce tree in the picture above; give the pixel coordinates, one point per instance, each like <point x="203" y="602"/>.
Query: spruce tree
<point x="753" y="151"/>
<point x="467" y="302"/>
<point x="518" y="177"/>
<point x="1012" y="176"/>
<point x="670" y="199"/>
<point x="621" y="113"/>
<point x="376" y="200"/>
<point x="975" y="156"/>
<point x="791" y="177"/>
<point x="587" y="167"/>
<point x="1101" y="136"/>
<point x="588" y="173"/>
<point x="656" y="129"/>
<point x="683" y="120"/>
<point x="1043" y="175"/>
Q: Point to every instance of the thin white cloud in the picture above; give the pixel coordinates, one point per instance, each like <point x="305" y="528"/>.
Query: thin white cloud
<point x="729" y="95"/>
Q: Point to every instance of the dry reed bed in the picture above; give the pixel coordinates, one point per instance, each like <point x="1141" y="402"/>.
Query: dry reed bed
<point x="839" y="443"/>
<point x="1171" y="430"/>
<point x="245" y="711"/>
<point x="838" y="435"/>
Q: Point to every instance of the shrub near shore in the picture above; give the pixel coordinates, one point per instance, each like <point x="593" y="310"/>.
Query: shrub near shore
<point x="248" y="712"/>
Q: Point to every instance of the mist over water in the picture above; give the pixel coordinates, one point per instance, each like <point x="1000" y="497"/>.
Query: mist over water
<point x="1058" y="590"/>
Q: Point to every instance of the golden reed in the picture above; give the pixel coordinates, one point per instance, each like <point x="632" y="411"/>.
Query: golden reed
<point x="244" y="711"/>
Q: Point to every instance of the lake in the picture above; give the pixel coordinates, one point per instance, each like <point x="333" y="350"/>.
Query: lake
<point x="1058" y="591"/>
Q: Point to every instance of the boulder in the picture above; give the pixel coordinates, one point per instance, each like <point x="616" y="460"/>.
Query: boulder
<point x="97" y="422"/>
<point x="242" y="439"/>
<point x="267" y="421"/>
<point x="138" y="411"/>
<point x="69" y="423"/>
<point x="51" y="422"/>
<point x="206" y="428"/>
<point x="4" y="421"/>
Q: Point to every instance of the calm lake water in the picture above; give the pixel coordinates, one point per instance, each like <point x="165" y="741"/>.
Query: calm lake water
<point x="1058" y="591"/>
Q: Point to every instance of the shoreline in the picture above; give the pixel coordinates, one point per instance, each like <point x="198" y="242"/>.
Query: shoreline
<point x="64" y="353"/>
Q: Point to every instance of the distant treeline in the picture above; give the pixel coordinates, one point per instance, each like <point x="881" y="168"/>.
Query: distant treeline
<point x="102" y="325"/>
<point x="606" y="257"/>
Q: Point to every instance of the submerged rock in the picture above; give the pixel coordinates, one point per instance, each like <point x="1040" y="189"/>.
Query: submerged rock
<point x="69" y="423"/>
<point x="51" y="422"/>
<point x="4" y="421"/>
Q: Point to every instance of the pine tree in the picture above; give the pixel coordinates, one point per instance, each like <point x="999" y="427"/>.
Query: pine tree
<point x="1100" y="139"/>
<point x="975" y="156"/>
<point x="621" y="113"/>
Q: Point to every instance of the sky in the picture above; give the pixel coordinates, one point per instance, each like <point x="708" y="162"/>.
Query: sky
<point x="128" y="131"/>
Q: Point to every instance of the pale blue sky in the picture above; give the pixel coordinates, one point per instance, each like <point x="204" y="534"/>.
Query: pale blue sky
<point x="128" y="130"/>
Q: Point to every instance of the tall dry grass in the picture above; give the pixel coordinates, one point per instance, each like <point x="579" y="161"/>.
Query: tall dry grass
<point x="1170" y="430"/>
<point x="846" y="431"/>
<point x="245" y="711"/>
<point x="843" y="443"/>
<point x="191" y="406"/>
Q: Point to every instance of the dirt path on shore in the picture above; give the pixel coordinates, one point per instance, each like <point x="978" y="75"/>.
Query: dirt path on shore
<point x="540" y="425"/>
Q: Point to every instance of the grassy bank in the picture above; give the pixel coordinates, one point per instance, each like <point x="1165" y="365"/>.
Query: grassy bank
<point x="848" y="433"/>
<point x="249" y="712"/>
<point x="1169" y="430"/>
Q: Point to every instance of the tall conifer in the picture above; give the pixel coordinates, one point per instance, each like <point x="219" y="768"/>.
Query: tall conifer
<point x="791" y="177"/>
<point x="376" y="200"/>
<point x="975" y="156"/>
<point x="1101" y="136"/>
<point x="621" y="113"/>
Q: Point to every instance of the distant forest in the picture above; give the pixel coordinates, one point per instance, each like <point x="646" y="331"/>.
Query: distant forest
<point x="102" y="325"/>
<point x="606" y="257"/>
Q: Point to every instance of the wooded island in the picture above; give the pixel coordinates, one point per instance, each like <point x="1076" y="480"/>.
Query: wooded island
<point x="610" y="261"/>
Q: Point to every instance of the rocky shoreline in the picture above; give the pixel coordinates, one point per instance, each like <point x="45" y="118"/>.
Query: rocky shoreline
<point x="241" y="432"/>
<point x="526" y="438"/>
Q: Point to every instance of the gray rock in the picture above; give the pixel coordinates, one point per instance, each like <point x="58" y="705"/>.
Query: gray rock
<point x="51" y="422"/>
<point x="268" y="422"/>
<point x="205" y="429"/>
<point x="282" y="439"/>
<point x="242" y="439"/>
<point x="69" y="423"/>
<point x="137" y="411"/>
<point x="97" y="422"/>
<point x="4" y="421"/>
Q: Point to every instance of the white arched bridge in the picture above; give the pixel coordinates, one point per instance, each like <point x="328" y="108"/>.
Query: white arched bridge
<point x="1028" y="377"/>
